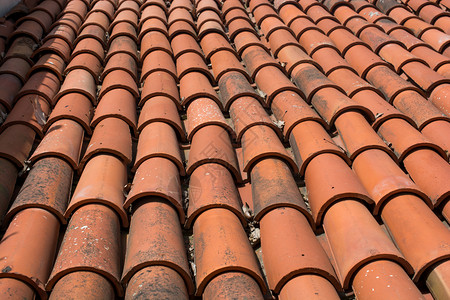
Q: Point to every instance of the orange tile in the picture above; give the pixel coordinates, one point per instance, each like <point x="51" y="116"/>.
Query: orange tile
<point x="193" y="62"/>
<point x="98" y="227"/>
<point x="259" y="142"/>
<point x="101" y="182"/>
<point x="224" y="286"/>
<point x="288" y="253"/>
<point x="384" y="179"/>
<point x="308" y="286"/>
<point x="154" y="40"/>
<point x="382" y="278"/>
<point x="118" y="79"/>
<point x="211" y="186"/>
<point x="74" y="106"/>
<point x="309" y="139"/>
<point x="122" y="44"/>
<point x="290" y="108"/>
<point x="121" y="61"/>
<point x="117" y="103"/>
<point x="273" y="187"/>
<point x="63" y="139"/>
<point x="405" y="216"/>
<point x="184" y="43"/>
<point x="161" y="109"/>
<point x="47" y="188"/>
<point x="91" y="285"/>
<point x="404" y="139"/>
<point x="160" y="84"/>
<point x="30" y="110"/>
<point x="212" y="249"/>
<point x="147" y="282"/>
<point x="88" y="62"/>
<point x="194" y="85"/>
<point x="38" y="229"/>
<point x="80" y="81"/>
<point x="51" y="62"/>
<point x="218" y="150"/>
<point x="149" y="181"/>
<point x="102" y="141"/>
<point x="10" y="86"/>
<point x="348" y="224"/>
<point x="328" y="180"/>
<point x="16" y="143"/>
<point x="89" y="45"/>
<point x="158" y="139"/>
<point x="156" y="239"/>
<point x="234" y="85"/>
<point x="429" y="171"/>
<point x="246" y="112"/>
<point x="203" y="112"/>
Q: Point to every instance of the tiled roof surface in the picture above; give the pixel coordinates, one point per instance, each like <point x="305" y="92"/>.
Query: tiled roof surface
<point x="225" y="150"/>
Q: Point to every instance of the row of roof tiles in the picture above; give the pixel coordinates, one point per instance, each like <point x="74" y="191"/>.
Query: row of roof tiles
<point x="310" y="74"/>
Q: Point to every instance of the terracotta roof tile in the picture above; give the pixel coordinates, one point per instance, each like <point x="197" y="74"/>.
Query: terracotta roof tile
<point x="30" y="110"/>
<point x="118" y="144"/>
<point x="246" y="112"/>
<point x="123" y="29"/>
<point x="310" y="139"/>
<point x="47" y="187"/>
<point x="377" y="270"/>
<point x="256" y="148"/>
<point x="290" y="108"/>
<point x="93" y="229"/>
<point x="88" y="62"/>
<point x="156" y="239"/>
<point x="408" y="141"/>
<point x="232" y="285"/>
<point x="10" y="85"/>
<point x="89" y="45"/>
<point x="161" y="109"/>
<point x="234" y="85"/>
<point x="117" y="103"/>
<point x="203" y="112"/>
<point x="435" y="189"/>
<point x="217" y="149"/>
<point x="159" y="139"/>
<point x="276" y="178"/>
<point x="63" y="139"/>
<point x="110" y="174"/>
<point x="358" y="137"/>
<point x="80" y="81"/>
<point x="268" y="150"/>
<point x="158" y="61"/>
<point x="148" y="183"/>
<point x="121" y="61"/>
<point x="303" y="253"/>
<point x="52" y="62"/>
<point x="212" y="249"/>
<point x="434" y="132"/>
<point x="119" y="79"/>
<point x="74" y="106"/>
<point x="16" y="144"/>
<point x="379" y="247"/>
<point x="86" y="282"/>
<point x="15" y="66"/>
<point x="160" y="83"/>
<point x="8" y="181"/>
<point x="194" y="85"/>
<point x="211" y="186"/>
<point x="39" y="229"/>
<point x="420" y="255"/>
